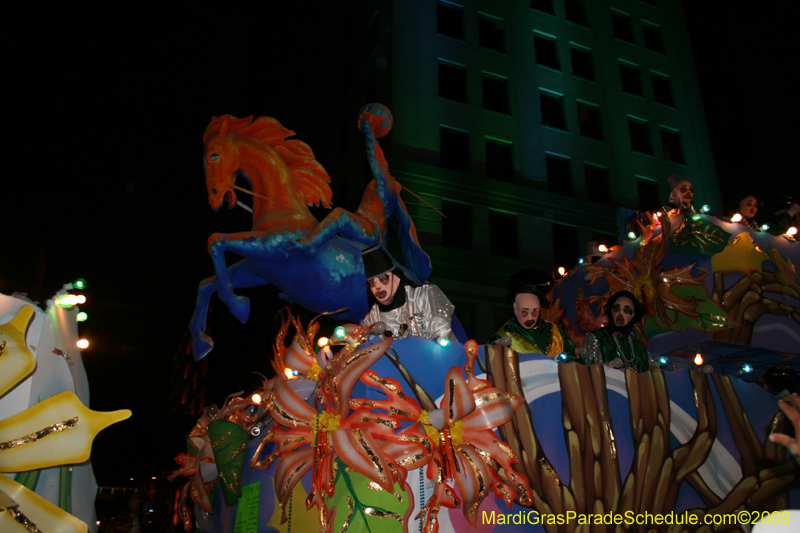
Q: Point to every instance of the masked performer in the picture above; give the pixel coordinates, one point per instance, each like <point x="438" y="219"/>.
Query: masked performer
<point x="748" y="208"/>
<point x="681" y="196"/>
<point x="407" y="309"/>
<point x="528" y="332"/>
<point x="616" y="343"/>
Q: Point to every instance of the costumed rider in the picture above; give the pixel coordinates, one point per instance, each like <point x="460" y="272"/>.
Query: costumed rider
<point x="681" y="196"/>
<point x="748" y="208"/>
<point x="616" y="344"/>
<point x="407" y="309"/>
<point x="528" y="332"/>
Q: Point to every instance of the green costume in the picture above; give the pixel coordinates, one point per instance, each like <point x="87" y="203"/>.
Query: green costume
<point x="545" y="337"/>
<point x="604" y="346"/>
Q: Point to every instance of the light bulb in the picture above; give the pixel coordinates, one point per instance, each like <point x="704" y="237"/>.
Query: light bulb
<point x="256" y="397"/>
<point x="323" y="341"/>
<point x="698" y="359"/>
<point x="562" y="271"/>
<point x="83" y="344"/>
<point x="736" y="218"/>
<point x="791" y="231"/>
<point x="602" y="248"/>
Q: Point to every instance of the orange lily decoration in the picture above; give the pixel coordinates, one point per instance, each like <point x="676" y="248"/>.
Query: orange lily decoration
<point x="307" y="439"/>
<point x="466" y="448"/>
<point x="646" y="278"/>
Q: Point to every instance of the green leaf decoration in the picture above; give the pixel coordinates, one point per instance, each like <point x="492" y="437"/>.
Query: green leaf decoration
<point x="363" y="507"/>
<point x="696" y="235"/>
<point x="229" y="442"/>
<point x="711" y="316"/>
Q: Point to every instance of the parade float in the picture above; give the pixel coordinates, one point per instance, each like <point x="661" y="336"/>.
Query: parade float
<point x="362" y="433"/>
<point x="46" y="430"/>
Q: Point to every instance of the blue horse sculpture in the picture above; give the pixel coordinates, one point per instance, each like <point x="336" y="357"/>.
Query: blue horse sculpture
<point x="315" y="264"/>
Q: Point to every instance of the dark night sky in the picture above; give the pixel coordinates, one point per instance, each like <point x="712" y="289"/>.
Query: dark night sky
<point x="103" y="176"/>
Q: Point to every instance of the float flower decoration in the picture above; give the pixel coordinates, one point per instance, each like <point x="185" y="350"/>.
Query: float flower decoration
<point x="362" y="435"/>
<point x="646" y="278"/>
<point x="311" y="439"/>
<point x="465" y="451"/>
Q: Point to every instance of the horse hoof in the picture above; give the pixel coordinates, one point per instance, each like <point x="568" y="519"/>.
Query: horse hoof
<point x="201" y="346"/>
<point x="379" y="118"/>
<point x="241" y="309"/>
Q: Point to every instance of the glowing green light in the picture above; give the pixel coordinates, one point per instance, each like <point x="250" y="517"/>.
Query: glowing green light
<point x="81" y="317"/>
<point x="64" y="301"/>
<point x="79" y="283"/>
<point x="444" y="342"/>
<point x="631" y="235"/>
<point x="340" y="332"/>
<point x="705" y="209"/>
<point x="764" y="227"/>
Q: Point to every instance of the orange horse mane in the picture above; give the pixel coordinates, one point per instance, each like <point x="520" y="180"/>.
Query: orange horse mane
<point x="298" y="156"/>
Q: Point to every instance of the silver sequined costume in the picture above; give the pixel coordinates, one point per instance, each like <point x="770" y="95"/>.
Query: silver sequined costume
<point x="427" y="313"/>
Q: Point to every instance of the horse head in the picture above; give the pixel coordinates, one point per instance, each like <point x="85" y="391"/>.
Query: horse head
<point x="222" y="161"/>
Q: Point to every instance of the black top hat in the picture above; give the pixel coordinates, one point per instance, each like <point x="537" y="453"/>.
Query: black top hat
<point x="639" y="311"/>
<point x="376" y="262"/>
<point x="529" y="281"/>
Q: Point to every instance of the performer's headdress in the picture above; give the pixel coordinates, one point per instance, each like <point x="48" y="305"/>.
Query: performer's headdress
<point x="376" y="262"/>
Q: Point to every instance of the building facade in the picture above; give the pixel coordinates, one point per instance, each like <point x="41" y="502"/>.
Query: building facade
<point x="528" y="123"/>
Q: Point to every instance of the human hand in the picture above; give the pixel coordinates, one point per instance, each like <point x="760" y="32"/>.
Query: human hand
<point x="791" y="408"/>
